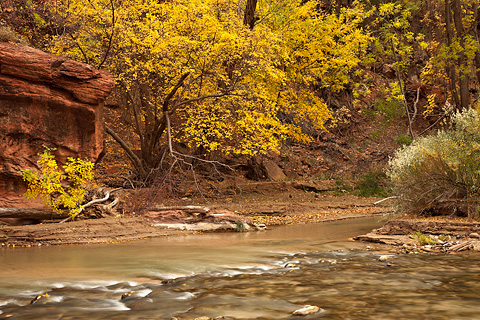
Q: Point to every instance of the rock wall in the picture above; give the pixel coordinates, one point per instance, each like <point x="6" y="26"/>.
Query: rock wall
<point x="46" y="100"/>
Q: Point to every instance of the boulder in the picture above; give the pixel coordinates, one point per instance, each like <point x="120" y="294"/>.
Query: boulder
<point x="46" y="100"/>
<point x="274" y="172"/>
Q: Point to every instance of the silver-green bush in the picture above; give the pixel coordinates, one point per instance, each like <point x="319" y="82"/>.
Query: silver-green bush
<point x="440" y="173"/>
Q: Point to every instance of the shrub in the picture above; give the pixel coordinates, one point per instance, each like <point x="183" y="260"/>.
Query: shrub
<point x="404" y="140"/>
<point x="440" y="173"/>
<point x="371" y="184"/>
<point x="59" y="188"/>
<point x="391" y="108"/>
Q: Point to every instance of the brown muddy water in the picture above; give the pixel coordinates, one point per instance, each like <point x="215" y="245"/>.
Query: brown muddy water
<point x="261" y="275"/>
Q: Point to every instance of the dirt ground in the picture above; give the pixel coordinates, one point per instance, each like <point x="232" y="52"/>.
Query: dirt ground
<point x="269" y="203"/>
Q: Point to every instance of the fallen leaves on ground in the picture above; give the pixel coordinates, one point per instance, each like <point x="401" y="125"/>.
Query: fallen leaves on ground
<point x="313" y="217"/>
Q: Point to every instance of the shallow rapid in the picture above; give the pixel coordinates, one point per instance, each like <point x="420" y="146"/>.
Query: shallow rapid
<point x="261" y="275"/>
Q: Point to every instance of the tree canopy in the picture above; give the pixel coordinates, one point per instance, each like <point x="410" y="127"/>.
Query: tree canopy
<point x="194" y="67"/>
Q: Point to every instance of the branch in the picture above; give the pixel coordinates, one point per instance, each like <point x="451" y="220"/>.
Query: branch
<point x="198" y="99"/>
<point x="111" y="37"/>
<point x="79" y="48"/>
<point x="173" y="91"/>
<point x="415" y="110"/>
<point x="389" y="198"/>
<point x="133" y="157"/>
<point x="136" y="115"/>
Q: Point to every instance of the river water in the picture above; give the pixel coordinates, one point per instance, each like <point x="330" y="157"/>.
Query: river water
<point x="257" y="275"/>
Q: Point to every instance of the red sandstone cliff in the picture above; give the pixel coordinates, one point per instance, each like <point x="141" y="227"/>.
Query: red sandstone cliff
<point x="46" y="100"/>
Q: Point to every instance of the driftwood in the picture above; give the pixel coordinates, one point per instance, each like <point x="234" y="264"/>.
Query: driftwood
<point x="189" y="209"/>
<point x="467" y="245"/>
<point x="91" y="203"/>
<point x="385" y="199"/>
<point x="29" y="213"/>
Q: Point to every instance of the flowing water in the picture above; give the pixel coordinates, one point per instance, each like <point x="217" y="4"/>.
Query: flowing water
<point x="260" y="275"/>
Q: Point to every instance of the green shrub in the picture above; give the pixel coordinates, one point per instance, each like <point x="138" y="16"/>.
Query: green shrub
<point x="404" y="140"/>
<point x="391" y="108"/>
<point x="440" y="168"/>
<point x="372" y="184"/>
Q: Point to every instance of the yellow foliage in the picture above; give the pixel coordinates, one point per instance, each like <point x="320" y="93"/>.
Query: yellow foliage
<point x="59" y="188"/>
<point x="238" y="81"/>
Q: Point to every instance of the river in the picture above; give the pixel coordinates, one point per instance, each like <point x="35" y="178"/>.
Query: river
<point x="256" y="275"/>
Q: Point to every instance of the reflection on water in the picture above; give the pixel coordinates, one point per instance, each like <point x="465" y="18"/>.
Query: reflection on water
<point x="264" y="275"/>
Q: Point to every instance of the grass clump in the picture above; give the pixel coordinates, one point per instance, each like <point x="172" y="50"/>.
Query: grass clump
<point x="422" y="239"/>
<point x="440" y="174"/>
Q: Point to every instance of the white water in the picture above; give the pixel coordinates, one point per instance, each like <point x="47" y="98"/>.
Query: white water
<point x="264" y="275"/>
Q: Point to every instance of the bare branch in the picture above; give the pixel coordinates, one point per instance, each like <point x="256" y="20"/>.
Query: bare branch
<point x="415" y="110"/>
<point x="110" y="40"/>
<point x="79" y="48"/>
<point x="133" y="157"/>
<point x="136" y="116"/>
<point x="198" y="99"/>
<point x="174" y="90"/>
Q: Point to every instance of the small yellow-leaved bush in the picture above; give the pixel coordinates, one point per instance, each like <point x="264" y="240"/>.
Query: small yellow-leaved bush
<point x="59" y="188"/>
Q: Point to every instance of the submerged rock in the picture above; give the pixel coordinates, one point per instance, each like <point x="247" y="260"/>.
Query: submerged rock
<point x="385" y="258"/>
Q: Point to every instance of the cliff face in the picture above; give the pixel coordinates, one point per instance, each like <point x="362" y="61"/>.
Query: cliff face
<point x="46" y="100"/>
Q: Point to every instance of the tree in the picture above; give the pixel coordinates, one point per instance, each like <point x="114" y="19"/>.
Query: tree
<point x="199" y="73"/>
<point x="454" y="49"/>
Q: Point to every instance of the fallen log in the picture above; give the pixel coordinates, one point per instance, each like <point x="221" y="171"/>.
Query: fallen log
<point x="30" y="213"/>
<point x="188" y="209"/>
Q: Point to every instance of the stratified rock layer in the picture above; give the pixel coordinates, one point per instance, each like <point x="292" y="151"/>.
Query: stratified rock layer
<point x="46" y="100"/>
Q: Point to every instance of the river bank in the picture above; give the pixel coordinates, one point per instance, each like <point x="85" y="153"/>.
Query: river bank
<point x="265" y="204"/>
<point x="413" y="234"/>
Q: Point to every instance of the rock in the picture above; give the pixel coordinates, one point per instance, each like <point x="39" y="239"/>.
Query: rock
<point x="260" y="226"/>
<point x="474" y="235"/>
<point x="127" y="295"/>
<point x="46" y="100"/>
<point x="476" y="246"/>
<point x="315" y="185"/>
<point x="273" y="171"/>
<point x="306" y="310"/>
<point x="384" y="258"/>
<point x="203" y="318"/>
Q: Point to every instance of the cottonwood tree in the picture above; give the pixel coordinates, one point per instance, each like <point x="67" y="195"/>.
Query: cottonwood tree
<point x="453" y="46"/>
<point x="207" y="75"/>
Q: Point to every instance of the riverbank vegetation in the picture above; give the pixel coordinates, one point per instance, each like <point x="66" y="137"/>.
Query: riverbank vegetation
<point x="439" y="174"/>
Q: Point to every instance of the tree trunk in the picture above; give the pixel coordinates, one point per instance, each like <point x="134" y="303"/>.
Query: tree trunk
<point x="451" y="65"/>
<point x="462" y="60"/>
<point x="249" y="15"/>
<point x="476" y="25"/>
